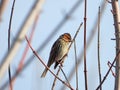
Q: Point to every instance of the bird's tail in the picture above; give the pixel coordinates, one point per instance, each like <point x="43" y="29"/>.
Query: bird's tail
<point x="44" y="73"/>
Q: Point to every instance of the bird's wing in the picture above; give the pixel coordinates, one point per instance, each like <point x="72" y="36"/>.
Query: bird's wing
<point x="54" y="52"/>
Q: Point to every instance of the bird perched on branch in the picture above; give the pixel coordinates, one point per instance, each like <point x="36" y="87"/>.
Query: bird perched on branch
<point x="58" y="51"/>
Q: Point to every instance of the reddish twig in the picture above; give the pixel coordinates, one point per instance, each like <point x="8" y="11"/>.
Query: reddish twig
<point x="85" y="65"/>
<point x="109" y="64"/>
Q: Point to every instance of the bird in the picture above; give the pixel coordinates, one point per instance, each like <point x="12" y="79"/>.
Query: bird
<point x="58" y="51"/>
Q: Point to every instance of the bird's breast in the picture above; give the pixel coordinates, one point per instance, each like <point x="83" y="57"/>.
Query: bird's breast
<point x="63" y="50"/>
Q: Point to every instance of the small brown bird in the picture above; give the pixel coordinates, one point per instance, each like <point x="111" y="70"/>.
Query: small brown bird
<point x="58" y="51"/>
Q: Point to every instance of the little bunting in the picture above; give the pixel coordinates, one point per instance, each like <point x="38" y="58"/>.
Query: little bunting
<point x="58" y="51"/>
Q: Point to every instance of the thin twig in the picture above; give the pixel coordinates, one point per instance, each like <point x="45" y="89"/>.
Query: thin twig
<point x="75" y="34"/>
<point x="99" y="66"/>
<point x="109" y="64"/>
<point x="113" y="65"/>
<point x="76" y="65"/>
<point x="64" y="75"/>
<point x="115" y="38"/>
<point x="35" y="53"/>
<point x="117" y="55"/>
<point x="9" y="30"/>
<point x="85" y="66"/>
<point x="60" y="68"/>
<point x="55" y="79"/>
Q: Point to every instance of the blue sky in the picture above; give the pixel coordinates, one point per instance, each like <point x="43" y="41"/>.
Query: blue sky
<point x="52" y="13"/>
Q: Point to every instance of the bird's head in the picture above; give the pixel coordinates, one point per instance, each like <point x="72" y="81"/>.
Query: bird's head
<point x="66" y="37"/>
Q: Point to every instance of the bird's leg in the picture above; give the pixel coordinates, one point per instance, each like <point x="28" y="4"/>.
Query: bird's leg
<point x="61" y="63"/>
<point x="62" y="60"/>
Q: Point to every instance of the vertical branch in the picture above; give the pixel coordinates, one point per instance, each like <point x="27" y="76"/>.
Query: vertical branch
<point x="9" y="30"/>
<point x="76" y="65"/>
<point x="85" y="66"/>
<point x="116" y="17"/>
<point x="99" y="67"/>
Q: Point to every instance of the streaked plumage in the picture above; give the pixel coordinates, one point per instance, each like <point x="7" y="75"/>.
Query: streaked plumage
<point x="58" y="51"/>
